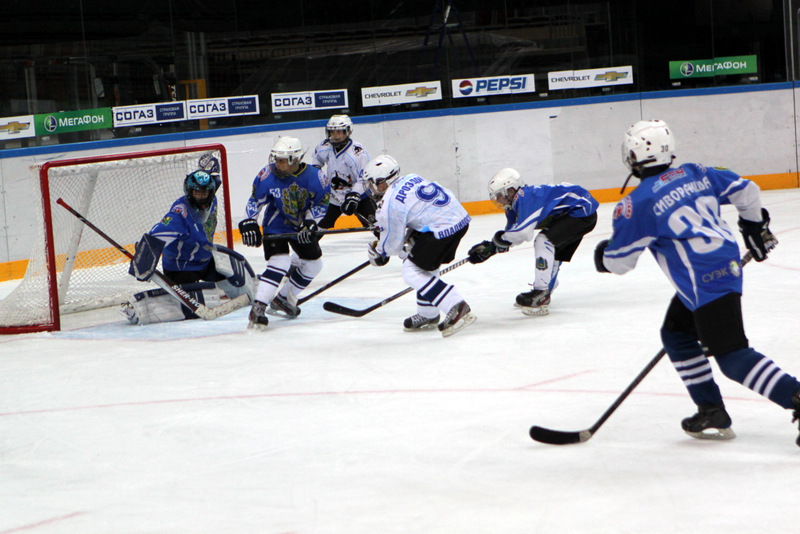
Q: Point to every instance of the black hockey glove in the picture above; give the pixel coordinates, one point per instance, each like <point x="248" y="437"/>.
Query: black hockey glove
<point x="598" y="256"/>
<point x="251" y="232"/>
<point x="350" y="203"/>
<point x="481" y="252"/>
<point x="751" y="232"/>
<point x="375" y="257"/>
<point x="308" y="234"/>
<point x="145" y="259"/>
<point x="500" y="244"/>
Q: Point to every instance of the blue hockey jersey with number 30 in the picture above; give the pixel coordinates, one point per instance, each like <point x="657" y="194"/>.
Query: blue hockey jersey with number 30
<point x="676" y="214"/>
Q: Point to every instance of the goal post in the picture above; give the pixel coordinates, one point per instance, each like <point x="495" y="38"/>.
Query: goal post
<point x="70" y="268"/>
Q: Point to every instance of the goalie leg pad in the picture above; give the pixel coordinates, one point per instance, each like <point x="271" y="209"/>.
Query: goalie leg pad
<point x="156" y="306"/>
<point x="239" y="275"/>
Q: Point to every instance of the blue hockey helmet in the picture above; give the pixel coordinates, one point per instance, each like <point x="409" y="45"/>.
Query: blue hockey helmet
<point x="199" y="181"/>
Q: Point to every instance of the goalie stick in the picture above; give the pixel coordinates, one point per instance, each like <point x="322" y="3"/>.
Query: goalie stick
<point x="176" y="291"/>
<point x="562" y="437"/>
<point x="288" y="235"/>
<point x="350" y="312"/>
<point x="333" y="283"/>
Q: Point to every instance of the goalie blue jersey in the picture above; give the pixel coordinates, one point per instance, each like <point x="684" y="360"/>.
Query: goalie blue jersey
<point x="288" y="201"/>
<point x="188" y="234"/>
<point x="676" y="214"/>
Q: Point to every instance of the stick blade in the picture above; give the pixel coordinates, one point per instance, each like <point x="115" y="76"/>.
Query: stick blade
<point x="558" y="437"/>
<point x="343" y="310"/>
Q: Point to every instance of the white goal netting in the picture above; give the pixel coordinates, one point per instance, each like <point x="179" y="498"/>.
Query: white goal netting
<point x="124" y="196"/>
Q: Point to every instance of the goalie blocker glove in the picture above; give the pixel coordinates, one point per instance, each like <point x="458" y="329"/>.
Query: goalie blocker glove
<point x="350" y="203"/>
<point x="145" y="260"/>
<point x="308" y="234"/>
<point x="751" y="232"/>
<point x="251" y="232"/>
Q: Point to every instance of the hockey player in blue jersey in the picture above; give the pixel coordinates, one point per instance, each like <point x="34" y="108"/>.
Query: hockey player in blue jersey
<point x="183" y="240"/>
<point x="343" y="159"/>
<point x="675" y="212"/>
<point x="422" y="223"/>
<point x="294" y="197"/>
<point x="564" y="213"/>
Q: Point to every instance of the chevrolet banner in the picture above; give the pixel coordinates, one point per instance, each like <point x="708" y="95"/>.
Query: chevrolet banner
<point x="16" y="127"/>
<point x="580" y="79"/>
<point x="388" y="95"/>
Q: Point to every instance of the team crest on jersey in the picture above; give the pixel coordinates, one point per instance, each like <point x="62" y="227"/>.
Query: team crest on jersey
<point x="166" y="220"/>
<point x="667" y="177"/>
<point x="541" y="264"/>
<point x="624" y="208"/>
<point x="294" y="199"/>
<point x="180" y="209"/>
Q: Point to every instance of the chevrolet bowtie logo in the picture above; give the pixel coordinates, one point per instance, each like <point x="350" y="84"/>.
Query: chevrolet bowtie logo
<point x="15" y="127"/>
<point x="421" y="92"/>
<point x="611" y="76"/>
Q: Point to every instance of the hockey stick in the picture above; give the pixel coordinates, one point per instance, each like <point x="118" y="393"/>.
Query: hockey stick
<point x="561" y="437"/>
<point x="176" y="291"/>
<point x="344" y="310"/>
<point x="333" y="283"/>
<point x="289" y="235"/>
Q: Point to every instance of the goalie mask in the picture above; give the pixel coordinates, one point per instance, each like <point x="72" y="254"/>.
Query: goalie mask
<point x="379" y="174"/>
<point x="503" y="188"/>
<point x="202" y="182"/>
<point x="648" y="144"/>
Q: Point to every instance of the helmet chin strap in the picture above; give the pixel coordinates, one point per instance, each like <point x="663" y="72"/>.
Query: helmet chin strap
<point x="624" y="185"/>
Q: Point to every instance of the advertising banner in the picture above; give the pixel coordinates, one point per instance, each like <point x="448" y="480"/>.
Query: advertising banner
<point x="208" y="108"/>
<point x="148" y="114"/>
<point x="701" y="68"/>
<point x="388" y="95"/>
<point x="581" y="79"/>
<point x="73" y="121"/>
<point x="309" y="100"/>
<point x="16" y="127"/>
<point x="496" y="85"/>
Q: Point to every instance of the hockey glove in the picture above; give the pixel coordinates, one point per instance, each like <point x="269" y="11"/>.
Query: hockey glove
<point x="481" y="252"/>
<point x="145" y="260"/>
<point x="375" y="257"/>
<point x="350" y="203"/>
<point x="599" y="250"/>
<point x="251" y="232"/>
<point x="308" y="234"/>
<point x="751" y="232"/>
<point x="500" y="244"/>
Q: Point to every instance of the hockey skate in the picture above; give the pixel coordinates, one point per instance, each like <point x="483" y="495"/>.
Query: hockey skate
<point x="534" y="303"/>
<point x="456" y="319"/>
<point x="258" y="317"/>
<point x="710" y="422"/>
<point x="418" y="322"/>
<point x="281" y="306"/>
<point x="796" y="412"/>
<point x="129" y="312"/>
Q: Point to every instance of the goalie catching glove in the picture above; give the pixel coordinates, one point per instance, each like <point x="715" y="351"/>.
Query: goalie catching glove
<point x="350" y="203"/>
<point x="752" y="234"/>
<point x="251" y="232"/>
<point x="145" y="260"/>
<point x="375" y="257"/>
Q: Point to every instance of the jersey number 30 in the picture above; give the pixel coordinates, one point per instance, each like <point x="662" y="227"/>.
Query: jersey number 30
<point x="703" y="223"/>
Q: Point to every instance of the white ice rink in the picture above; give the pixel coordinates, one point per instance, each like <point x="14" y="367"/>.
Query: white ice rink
<point x="329" y="424"/>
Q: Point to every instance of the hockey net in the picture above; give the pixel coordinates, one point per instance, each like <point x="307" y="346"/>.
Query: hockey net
<point x="71" y="268"/>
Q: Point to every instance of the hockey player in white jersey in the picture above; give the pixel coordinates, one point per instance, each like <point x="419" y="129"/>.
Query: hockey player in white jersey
<point x="422" y="223"/>
<point x="343" y="159"/>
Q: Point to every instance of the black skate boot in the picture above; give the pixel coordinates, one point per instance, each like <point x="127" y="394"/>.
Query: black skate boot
<point x="457" y="318"/>
<point x="419" y="322"/>
<point x="796" y="412"/>
<point x="536" y="302"/>
<point x="280" y="305"/>
<point x="710" y="422"/>
<point x="258" y="316"/>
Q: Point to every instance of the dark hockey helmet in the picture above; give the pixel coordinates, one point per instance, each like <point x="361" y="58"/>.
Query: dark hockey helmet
<point x="199" y="181"/>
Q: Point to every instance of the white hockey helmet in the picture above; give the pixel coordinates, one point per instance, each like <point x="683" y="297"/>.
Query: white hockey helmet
<point x="648" y="144"/>
<point x="381" y="170"/>
<point x="288" y="148"/>
<point x="341" y="123"/>
<point x="503" y="187"/>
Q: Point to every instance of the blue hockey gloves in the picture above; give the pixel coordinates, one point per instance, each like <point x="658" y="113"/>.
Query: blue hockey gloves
<point x="145" y="260"/>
